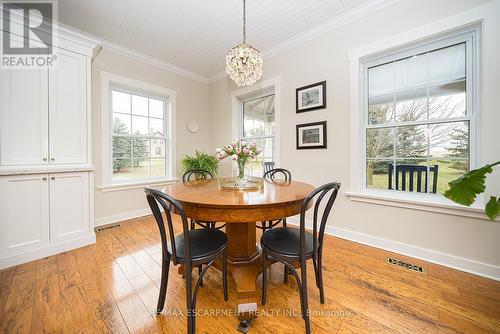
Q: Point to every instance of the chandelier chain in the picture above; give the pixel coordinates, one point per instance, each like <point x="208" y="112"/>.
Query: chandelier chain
<point x="244" y="22"/>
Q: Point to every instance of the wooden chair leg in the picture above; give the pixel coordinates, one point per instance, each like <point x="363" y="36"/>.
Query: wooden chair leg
<point x="192" y="224"/>
<point x="284" y="222"/>
<point x="164" y="282"/>
<point x="285" y="275"/>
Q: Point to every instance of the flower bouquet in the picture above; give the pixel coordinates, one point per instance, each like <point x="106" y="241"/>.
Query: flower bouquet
<point x="240" y="152"/>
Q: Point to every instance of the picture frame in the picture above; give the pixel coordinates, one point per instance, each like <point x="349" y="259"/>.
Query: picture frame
<point x="310" y="97"/>
<point x="311" y="135"/>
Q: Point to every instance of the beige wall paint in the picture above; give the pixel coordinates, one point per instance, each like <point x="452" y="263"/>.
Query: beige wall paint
<point x="192" y="104"/>
<point x="326" y="58"/>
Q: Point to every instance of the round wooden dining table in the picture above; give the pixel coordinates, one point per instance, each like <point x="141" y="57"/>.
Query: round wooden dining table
<point x="204" y="200"/>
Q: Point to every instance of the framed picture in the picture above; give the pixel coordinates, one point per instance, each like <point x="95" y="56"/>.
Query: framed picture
<point x="311" y="135"/>
<point x="311" y="97"/>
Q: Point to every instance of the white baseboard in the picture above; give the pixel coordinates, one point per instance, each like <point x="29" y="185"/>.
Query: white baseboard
<point x="61" y="247"/>
<point x="447" y="260"/>
<point x="121" y="217"/>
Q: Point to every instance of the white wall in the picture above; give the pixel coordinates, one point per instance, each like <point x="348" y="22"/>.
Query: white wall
<point x="326" y="58"/>
<point x="192" y="104"/>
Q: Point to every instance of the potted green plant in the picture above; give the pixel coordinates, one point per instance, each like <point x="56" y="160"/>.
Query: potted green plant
<point x="465" y="189"/>
<point x="200" y="161"/>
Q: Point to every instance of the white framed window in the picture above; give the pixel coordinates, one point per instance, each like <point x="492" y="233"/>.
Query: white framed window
<point x="259" y="126"/>
<point x="419" y="121"/>
<point x="138" y="133"/>
<point x="256" y="118"/>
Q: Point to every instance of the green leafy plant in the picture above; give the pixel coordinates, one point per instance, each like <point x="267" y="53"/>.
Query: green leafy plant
<point x="465" y="189"/>
<point x="200" y="161"/>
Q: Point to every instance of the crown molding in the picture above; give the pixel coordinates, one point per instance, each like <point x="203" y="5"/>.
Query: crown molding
<point x="153" y="61"/>
<point x="217" y="77"/>
<point x="337" y="22"/>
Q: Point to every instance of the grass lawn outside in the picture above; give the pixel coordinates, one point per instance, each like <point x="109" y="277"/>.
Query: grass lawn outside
<point x="141" y="171"/>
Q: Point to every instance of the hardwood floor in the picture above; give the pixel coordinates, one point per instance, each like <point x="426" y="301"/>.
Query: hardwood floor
<point x="112" y="287"/>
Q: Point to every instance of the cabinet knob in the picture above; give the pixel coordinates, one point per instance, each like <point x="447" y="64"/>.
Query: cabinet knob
<point x="53" y="178"/>
<point x="44" y="159"/>
<point x="44" y="178"/>
<point x="52" y="159"/>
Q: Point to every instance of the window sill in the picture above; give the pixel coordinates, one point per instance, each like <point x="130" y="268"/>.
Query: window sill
<point x="420" y="202"/>
<point x="135" y="185"/>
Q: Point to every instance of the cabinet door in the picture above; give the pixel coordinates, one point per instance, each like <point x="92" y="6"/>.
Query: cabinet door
<point x="24" y="213"/>
<point x="68" y="109"/>
<point x="23" y="116"/>
<point x="69" y="206"/>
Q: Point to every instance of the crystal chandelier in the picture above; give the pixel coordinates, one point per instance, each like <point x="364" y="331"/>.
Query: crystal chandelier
<point x="244" y="62"/>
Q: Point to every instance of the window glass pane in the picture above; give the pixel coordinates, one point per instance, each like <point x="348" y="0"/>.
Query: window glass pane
<point x="377" y="174"/>
<point x="411" y="175"/>
<point x="259" y="117"/>
<point x="411" y="141"/>
<point x="448" y="170"/>
<point x="156" y="127"/>
<point x="122" y="147"/>
<point x="267" y="154"/>
<point x="411" y="105"/>
<point x="447" y="101"/>
<point x="135" y="157"/>
<point x="381" y="83"/>
<point x="140" y="125"/>
<point x="141" y="149"/>
<point x="379" y="143"/>
<point x="380" y="113"/>
<point x="156" y="108"/>
<point x="422" y="88"/>
<point x="447" y="65"/>
<point x="139" y="105"/>
<point x="122" y="168"/>
<point x="141" y="168"/>
<point x="157" y="167"/>
<point x="411" y="72"/>
<point x="121" y="123"/>
<point x="157" y="148"/>
<point x="449" y="140"/>
<point x="120" y="102"/>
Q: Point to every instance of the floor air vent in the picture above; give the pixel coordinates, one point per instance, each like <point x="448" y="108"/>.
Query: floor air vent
<point x="107" y="227"/>
<point x="405" y="265"/>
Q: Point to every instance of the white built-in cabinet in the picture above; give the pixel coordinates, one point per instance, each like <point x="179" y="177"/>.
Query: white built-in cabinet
<point x="44" y="113"/>
<point x="24" y="209"/>
<point x="39" y="209"/>
<point x="46" y="174"/>
<point x="24" y="117"/>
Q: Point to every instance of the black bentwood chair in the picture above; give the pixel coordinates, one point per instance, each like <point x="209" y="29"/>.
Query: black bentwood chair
<point x="288" y="245"/>
<point x="191" y="248"/>
<point x="268" y="165"/>
<point x="200" y="174"/>
<point x="273" y="175"/>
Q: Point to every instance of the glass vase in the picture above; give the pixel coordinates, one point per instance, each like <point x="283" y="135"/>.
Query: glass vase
<point x="240" y="172"/>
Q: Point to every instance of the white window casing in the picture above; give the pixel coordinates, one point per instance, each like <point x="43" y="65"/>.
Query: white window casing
<point x="421" y="40"/>
<point x="112" y="82"/>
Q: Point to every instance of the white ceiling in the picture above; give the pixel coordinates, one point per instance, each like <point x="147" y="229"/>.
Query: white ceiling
<point x="195" y="35"/>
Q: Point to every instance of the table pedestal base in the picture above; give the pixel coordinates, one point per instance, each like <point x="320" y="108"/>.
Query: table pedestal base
<point x="244" y="265"/>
